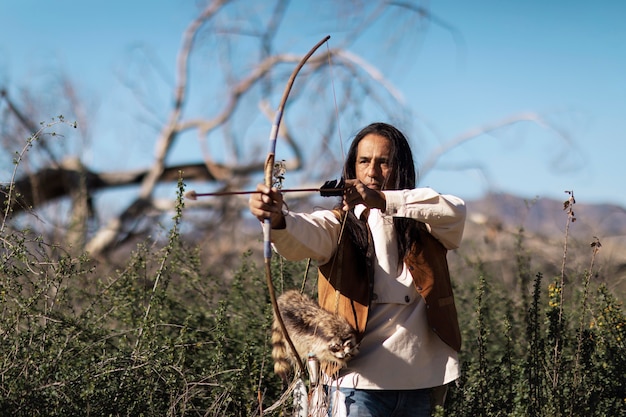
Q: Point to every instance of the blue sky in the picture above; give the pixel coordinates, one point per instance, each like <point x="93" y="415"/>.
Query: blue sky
<point x="563" y="60"/>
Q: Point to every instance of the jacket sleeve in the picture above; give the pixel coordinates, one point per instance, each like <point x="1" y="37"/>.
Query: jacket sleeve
<point x="444" y="215"/>
<point x="312" y="236"/>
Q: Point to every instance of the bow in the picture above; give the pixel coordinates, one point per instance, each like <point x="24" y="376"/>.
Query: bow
<point x="268" y="169"/>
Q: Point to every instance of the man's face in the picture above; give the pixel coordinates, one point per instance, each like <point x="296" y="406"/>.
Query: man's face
<point x="373" y="165"/>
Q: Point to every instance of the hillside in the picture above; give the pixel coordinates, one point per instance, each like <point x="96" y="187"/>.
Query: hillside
<point x="546" y="216"/>
<point x="493" y="230"/>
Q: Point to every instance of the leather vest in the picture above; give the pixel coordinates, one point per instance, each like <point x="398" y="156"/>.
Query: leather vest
<point x="345" y="285"/>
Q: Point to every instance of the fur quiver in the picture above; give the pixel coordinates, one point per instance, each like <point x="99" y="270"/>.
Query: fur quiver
<point x="314" y="332"/>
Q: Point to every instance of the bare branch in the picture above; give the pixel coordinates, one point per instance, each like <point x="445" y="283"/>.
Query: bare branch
<point x="472" y="134"/>
<point x="106" y="236"/>
<point x="170" y="130"/>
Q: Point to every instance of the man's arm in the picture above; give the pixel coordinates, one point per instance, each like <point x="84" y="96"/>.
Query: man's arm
<point x="443" y="214"/>
<point x="312" y="236"/>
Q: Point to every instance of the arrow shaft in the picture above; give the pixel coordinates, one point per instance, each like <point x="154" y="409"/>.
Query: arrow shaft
<point x="286" y="190"/>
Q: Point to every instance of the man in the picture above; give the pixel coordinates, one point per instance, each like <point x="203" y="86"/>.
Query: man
<point x="386" y="271"/>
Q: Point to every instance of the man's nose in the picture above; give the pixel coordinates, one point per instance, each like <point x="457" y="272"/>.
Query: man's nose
<point x="372" y="170"/>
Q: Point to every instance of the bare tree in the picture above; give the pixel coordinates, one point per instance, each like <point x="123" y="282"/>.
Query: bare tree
<point x="235" y="66"/>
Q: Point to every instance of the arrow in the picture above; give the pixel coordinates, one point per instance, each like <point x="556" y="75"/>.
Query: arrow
<point x="331" y="188"/>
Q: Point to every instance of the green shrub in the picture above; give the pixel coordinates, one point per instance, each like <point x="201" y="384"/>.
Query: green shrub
<point x="163" y="337"/>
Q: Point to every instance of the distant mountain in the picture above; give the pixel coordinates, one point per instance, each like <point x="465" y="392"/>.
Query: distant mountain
<point x="547" y="217"/>
<point x="492" y="234"/>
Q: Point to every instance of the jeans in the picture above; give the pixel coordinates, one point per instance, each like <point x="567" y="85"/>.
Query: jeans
<point x="348" y="402"/>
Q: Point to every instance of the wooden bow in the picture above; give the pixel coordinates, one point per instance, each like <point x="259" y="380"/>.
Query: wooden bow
<point x="268" y="169"/>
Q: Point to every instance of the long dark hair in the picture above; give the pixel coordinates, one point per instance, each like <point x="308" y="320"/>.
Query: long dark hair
<point x="404" y="177"/>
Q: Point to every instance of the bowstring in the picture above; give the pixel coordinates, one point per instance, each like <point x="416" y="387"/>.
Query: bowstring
<point x="343" y="159"/>
<point x="332" y="83"/>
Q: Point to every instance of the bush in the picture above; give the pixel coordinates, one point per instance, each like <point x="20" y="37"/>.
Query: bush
<point x="161" y="337"/>
<point x="157" y="338"/>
